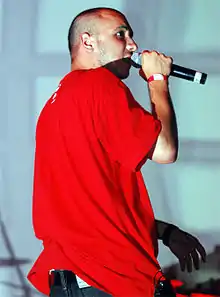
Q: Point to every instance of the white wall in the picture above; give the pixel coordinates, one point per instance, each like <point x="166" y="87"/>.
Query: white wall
<point x="33" y="55"/>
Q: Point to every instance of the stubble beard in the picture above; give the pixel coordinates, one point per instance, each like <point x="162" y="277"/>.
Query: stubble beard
<point x="113" y="66"/>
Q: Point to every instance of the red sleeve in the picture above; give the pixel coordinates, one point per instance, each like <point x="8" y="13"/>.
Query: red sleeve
<point x="125" y="129"/>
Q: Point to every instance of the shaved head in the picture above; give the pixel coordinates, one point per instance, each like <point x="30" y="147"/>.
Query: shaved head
<point x="87" y="21"/>
<point x="101" y="37"/>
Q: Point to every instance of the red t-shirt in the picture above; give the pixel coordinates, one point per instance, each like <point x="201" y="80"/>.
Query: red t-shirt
<point x="90" y="205"/>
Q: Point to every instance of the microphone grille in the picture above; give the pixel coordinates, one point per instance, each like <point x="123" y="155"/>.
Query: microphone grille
<point x="136" y="57"/>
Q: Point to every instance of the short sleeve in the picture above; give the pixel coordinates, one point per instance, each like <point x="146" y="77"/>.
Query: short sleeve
<point x="125" y="129"/>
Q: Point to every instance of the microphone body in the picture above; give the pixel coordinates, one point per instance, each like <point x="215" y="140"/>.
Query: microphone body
<point x="177" y="71"/>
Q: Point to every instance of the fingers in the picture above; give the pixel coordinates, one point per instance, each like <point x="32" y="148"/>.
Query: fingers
<point x="195" y="259"/>
<point x="186" y="263"/>
<point x="188" y="250"/>
<point x="158" y="54"/>
<point x="154" y="62"/>
<point x="201" y="251"/>
<point x="182" y="262"/>
<point x="192" y="258"/>
<point x="199" y="248"/>
<point x="189" y="263"/>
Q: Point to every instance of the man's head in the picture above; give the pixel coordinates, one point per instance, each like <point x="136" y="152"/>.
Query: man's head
<point x="101" y="37"/>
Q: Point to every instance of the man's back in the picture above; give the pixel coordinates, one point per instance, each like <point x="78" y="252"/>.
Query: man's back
<point x="91" y="208"/>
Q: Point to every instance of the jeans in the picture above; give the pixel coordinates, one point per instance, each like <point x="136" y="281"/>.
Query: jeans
<point x="63" y="284"/>
<point x="73" y="292"/>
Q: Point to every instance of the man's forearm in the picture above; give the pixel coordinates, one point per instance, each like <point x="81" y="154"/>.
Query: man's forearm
<point x="160" y="228"/>
<point x="162" y="108"/>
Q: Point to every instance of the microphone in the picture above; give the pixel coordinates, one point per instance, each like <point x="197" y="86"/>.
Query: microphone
<point x="177" y="71"/>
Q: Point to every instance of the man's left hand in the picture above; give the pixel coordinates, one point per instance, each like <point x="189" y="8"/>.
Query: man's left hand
<point x="187" y="249"/>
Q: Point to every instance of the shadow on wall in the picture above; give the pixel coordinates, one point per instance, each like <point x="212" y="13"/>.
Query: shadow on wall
<point x="14" y="262"/>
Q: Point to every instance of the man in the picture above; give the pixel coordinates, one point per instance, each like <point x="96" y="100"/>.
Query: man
<point x="90" y="206"/>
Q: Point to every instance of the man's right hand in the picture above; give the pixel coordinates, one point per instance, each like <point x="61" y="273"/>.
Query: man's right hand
<point x="154" y="62"/>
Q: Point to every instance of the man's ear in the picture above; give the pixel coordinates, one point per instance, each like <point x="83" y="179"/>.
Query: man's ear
<point x="87" y="41"/>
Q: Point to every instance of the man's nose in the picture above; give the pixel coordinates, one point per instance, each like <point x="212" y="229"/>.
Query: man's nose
<point x="131" y="45"/>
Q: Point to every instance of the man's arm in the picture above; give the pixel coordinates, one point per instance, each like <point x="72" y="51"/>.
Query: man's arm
<point x="166" y="148"/>
<point x="183" y="245"/>
<point x="160" y="228"/>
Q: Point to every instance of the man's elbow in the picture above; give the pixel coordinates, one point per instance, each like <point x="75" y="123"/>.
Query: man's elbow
<point x="165" y="156"/>
<point x="171" y="156"/>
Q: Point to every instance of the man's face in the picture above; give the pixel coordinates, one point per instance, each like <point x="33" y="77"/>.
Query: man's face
<point x="115" y="44"/>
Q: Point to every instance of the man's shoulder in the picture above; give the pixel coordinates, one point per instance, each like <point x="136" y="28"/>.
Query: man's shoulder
<point x="105" y="79"/>
<point x="95" y="76"/>
<point x="102" y="75"/>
